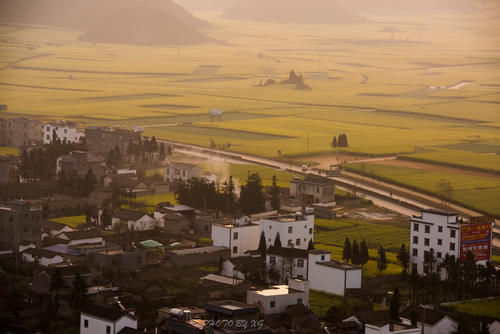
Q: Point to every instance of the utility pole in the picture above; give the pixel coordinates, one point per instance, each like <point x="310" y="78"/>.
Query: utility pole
<point x="308" y="142"/>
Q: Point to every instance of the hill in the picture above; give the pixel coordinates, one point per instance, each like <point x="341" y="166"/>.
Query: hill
<point x="111" y="21"/>
<point x="292" y="11"/>
<point x="414" y="7"/>
<point x="143" y="26"/>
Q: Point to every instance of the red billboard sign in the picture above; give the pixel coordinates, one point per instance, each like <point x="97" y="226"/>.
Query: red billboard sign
<point x="476" y="238"/>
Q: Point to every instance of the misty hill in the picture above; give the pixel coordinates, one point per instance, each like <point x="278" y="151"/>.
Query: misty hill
<point x="111" y="21"/>
<point x="292" y="11"/>
<point x="421" y="6"/>
<point x="143" y="26"/>
<point x="205" y="5"/>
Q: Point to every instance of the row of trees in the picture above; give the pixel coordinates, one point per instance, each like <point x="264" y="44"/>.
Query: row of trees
<point x="199" y="193"/>
<point x="341" y="142"/>
<point x="357" y="254"/>
<point x="75" y="185"/>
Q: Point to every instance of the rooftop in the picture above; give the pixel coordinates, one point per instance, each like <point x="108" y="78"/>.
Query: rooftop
<point x="78" y="235"/>
<point x="199" y="250"/>
<point x="287" y="252"/>
<point x="440" y="212"/>
<point x="41" y="252"/>
<point x="62" y="249"/>
<point x="339" y="265"/>
<point x="50" y="225"/>
<point x="222" y="279"/>
<point x="276" y="290"/>
<point x="432" y="317"/>
<point x="129" y="215"/>
<point x="230" y="307"/>
<point x="289" y="218"/>
<point x="105" y="313"/>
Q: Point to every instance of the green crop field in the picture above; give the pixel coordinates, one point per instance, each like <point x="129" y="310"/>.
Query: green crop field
<point x="9" y="150"/>
<point x="388" y="93"/>
<point x="490" y="308"/>
<point x="330" y="235"/>
<point x="481" y="193"/>
<point x="487" y="162"/>
<point x="73" y="221"/>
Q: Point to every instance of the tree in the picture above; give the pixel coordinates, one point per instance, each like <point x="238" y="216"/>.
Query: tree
<point x="310" y="246"/>
<point x="277" y="241"/>
<point x="334" y="314"/>
<point x="252" y="198"/>
<point x="395" y="305"/>
<point x="382" y="260"/>
<point x="79" y="292"/>
<point x="56" y="281"/>
<point x="346" y="253"/>
<point x="262" y="243"/>
<point x="363" y="253"/>
<point x="334" y="142"/>
<point x="355" y="253"/>
<point x="404" y="258"/>
<point x="275" y="195"/>
<point x="163" y="154"/>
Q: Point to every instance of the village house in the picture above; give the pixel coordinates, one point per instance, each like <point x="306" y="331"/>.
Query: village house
<point x="276" y="299"/>
<point x="51" y="229"/>
<point x="221" y="287"/>
<point x="42" y="279"/>
<point x="118" y="260"/>
<point x="81" y="239"/>
<point x="103" y="139"/>
<point x="41" y="257"/>
<point x="98" y="319"/>
<point x="180" y="171"/>
<point x="283" y="264"/>
<point x="435" y="322"/>
<point x="332" y="276"/>
<point x="186" y="211"/>
<point x="20" y="221"/>
<point x="128" y="183"/>
<point x="19" y="132"/>
<point x="238" y="267"/>
<point x="295" y="230"/>
<point x="66" y="132"/>
<point x="23" y="245"/>
<point x="240" y="236"/>
<point x="79" y="162"/>
<point x="134" y="220"/>
<point x="173" y="223"/>
<point x="310" y="191"/>
<point x="198" y="255"/>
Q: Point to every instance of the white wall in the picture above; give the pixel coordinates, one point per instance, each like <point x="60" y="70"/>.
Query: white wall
<point x="85" y="241"/>
<point x="302" y="229"/>
<point x="71" y="134"/>
<point x="354" y="279"/>
<point x="142" y="224"/>
<point x="98" y="326"/>
<point x="45" y="261"/>
<point x="24" y="247"/>
<point x="326" y="279"/>
<point x="281" y="299"/>
<point x="372" y="329"/>
<point x="247" y="238"/>
<point x="288" y="267"/>
<point x="229" y="271"/>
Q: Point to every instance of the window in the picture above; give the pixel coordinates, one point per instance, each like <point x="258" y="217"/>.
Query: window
<point x="48" y="137"/>
<point x="297" y="242"/>
<point x="426" y="254"/>
<point x="452" y="246"/>
<point x="235" y="249"/>
<point x="415" y="252"/>
<point x="426" y="242"/>
<point x="440" y="242"/>
<point x="415" y="239"/>
<point x="272" y="304"/>
<point x="310" y="231"/>
<point x="440" y="229"/>
<point x="290" y="229"/>
<point x="299" y="301"/>
<point x="453" y="233"/>
<point x="272" y="260"/>
<point x="48" y="128"/>
<point x="322" y="258"/>
<point x="65" y="130"/>
<point x="300" y="263"/>
<point x="235" y="235"/>
<point x="290" y="243"/>
<point x="415" y="227"/>
<point x="427" y="229"/>
<point x="86" y="323"/>
<point x="317" y="190"/>
<point x="414" y="268"/>
<point x="438" y="255"/>
<point x="108" y="329"/>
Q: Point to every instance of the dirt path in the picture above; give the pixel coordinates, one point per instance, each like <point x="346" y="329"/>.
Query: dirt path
<point x="433" y="167"/>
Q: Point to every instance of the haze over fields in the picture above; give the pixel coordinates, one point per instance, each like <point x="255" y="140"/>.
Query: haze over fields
<point x="416" y="79"/>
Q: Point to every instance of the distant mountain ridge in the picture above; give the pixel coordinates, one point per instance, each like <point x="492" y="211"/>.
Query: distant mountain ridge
<point x="111" y="21"/>
<point x="292" y="11"/>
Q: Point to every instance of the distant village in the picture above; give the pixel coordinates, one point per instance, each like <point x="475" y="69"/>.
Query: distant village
<point x="211" y="260"/>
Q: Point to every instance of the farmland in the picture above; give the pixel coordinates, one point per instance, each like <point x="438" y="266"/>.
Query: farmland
<point x="430" y="90"/>
<point x="477" y="192"/>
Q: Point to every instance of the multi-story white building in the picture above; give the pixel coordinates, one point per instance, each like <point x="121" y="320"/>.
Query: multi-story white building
<point x="296" y="230"/>
<point x="285" y="263"/>
<point x="443" y="232"/>
<point x="66" y="132"/>
<point x="240" y="236"/>
<point x="276" y="299"/>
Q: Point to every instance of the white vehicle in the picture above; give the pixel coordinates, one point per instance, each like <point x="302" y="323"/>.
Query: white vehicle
<point x="304" y="168"/>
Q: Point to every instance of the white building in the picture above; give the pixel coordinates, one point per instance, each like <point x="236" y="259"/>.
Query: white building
<point x="286" y="263"/>
<point x="332" y="276"/>
<point x="240" y="236"/>
<point x="435" y="322"/>
<point x="89" y="237"/>
<point x="390" y="327"/>
<point x="295" y="230"/>
<point x="42" y="257"/>
<point x="137" y="221"/>
<point x="180" y="171"/>
<point x="276" y="299"/>
<point x="100" y="320"/>
<point x="65" y="131"/>
<point x="440" y="232"/>
<point x="51" y="229"/>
